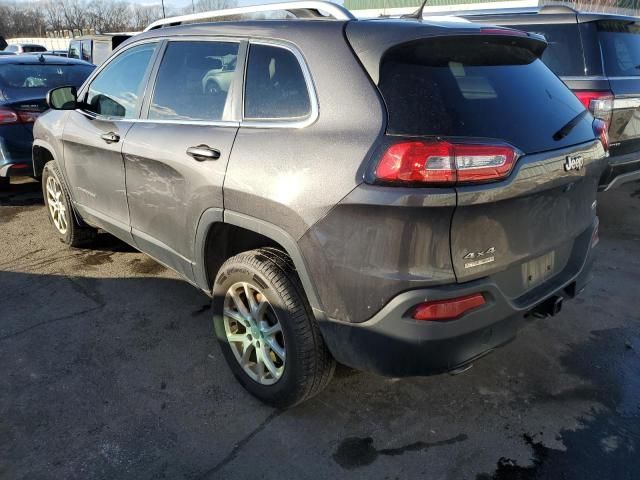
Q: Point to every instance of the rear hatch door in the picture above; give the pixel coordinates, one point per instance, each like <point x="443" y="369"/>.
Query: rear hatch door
<point x="494" y="89"/>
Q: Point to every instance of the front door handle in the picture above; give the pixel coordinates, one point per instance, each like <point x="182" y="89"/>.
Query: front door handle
<point x="203" y="152"/>
<point x="110" y="137"/>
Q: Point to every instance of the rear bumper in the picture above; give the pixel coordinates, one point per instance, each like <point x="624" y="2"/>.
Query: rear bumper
<point x="393" y="344"/>
<point x="621" y="169"/>
<point x="15" y="155"/>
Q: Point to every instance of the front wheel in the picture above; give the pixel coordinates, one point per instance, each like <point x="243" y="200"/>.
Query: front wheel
<point x="266" y="329"/>
<point x="69" y="229"/>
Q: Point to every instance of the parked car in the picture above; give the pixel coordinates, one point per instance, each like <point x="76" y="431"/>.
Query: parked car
<point x="95" y="48"/>
<point x="598" y="57"/>
<point x="394" y="195"/>
<point x="20" y="48"/>
<point x="24" y="83"/>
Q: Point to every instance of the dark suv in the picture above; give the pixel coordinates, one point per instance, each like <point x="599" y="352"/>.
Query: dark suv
<point x="598" y="57"/>
<point x="392" y="194"/>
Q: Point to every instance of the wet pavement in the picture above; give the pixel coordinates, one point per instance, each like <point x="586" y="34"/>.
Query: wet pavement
<point x="110" y="370"/>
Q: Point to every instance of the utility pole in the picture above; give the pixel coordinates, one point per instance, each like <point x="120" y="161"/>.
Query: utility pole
<point x="163" y="14"/>
<point x="193" y="6"/>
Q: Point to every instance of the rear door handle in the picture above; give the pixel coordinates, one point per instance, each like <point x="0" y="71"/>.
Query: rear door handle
<point x="203" y="152"/>
<point x="110" y="137"/>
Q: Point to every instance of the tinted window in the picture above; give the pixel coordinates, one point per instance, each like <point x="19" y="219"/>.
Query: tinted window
<point x="74" y="50"/>
<point x="275" y="85"/>
<point x="33" y="48"/>
<point x="86" y="50"/>
<point x="474" y="88"/>
<point x="116" y="90"/>
<point x="194" y="80"/>
<point x="42" y="76"/>
<point x="564" y="53"/>
<point x="620" y="42"/>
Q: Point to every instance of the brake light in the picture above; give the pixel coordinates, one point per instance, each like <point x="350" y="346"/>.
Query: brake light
<point x="444" y="163"/>
<point x="28" y="117"/>
<point x="601" y="130"/>
<point x="8" y="116"/>
<point x="503" y="31"/>
<point x="450" y="309"/>
<point x="599" y="103"/>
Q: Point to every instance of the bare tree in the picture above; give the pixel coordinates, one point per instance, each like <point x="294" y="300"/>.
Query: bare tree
<point x="143" y="15"/>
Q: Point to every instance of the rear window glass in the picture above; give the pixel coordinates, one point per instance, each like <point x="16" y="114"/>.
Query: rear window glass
<point x="43" y="76"/>
<point x="620" y="42"/>
<point x="463" y="87"/>
<point x="564" y="52"/>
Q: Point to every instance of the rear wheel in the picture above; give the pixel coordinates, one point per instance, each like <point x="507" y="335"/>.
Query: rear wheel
<point x="61" y="215"/>
<point x="4" y="183"/>
<point x="266" y="330"/>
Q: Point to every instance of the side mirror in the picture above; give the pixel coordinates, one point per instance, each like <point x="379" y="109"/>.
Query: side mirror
<point x="63" y="98"/>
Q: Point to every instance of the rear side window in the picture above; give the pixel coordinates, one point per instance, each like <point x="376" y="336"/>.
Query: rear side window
<point x="275" y="85"/>
<point x="563" y="55"/>
<point x="620" y="43"/>
<point x="478" y="87"/>
<point x="194" y="81"/>
<point x="116" y="90"/>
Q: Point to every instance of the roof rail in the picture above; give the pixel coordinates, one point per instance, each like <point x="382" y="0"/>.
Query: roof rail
<point x="557" y="9"/>
<point x="302" y="9"/>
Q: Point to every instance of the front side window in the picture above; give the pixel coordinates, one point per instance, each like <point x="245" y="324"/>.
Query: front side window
<point x="275" y="85"/>
<point x="118" y="88"/>
<point x="194" y="81"/>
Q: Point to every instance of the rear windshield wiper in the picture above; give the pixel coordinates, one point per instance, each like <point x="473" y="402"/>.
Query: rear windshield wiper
<point x="566" y="129"/>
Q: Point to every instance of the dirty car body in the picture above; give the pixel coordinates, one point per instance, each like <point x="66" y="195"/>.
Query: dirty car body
<point x="505" y="218"/>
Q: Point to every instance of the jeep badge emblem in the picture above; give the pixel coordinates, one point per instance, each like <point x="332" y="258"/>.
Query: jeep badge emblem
<point x="573" y="162"/>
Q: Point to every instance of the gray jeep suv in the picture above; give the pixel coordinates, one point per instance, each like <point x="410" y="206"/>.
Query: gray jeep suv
<point x="394" y="195"/>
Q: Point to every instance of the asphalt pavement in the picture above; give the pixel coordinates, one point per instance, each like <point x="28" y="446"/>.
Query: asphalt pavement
<point x="109" y="370"/>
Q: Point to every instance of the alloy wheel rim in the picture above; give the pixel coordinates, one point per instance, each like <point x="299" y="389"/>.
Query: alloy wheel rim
<point x="254" y="333"/>
<point x="57" y="209"/>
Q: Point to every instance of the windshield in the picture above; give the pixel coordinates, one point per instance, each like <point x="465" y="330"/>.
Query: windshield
<point x="620" y="42"/>
<point x="42" y="76"/>
<point x="479" y="87"/>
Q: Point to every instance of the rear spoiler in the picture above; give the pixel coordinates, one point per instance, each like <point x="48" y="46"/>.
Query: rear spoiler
<point x="373" y="39"/>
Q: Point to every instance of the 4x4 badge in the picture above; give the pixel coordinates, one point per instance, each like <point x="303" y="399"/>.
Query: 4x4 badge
<point x="573" y="162"/>
<point x="480" y="258"/>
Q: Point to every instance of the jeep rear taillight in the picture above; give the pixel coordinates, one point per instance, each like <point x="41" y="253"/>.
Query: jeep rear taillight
<point x="444" y="163"/>
<point x="601" y="130"/>
<point x="599" y="103"/>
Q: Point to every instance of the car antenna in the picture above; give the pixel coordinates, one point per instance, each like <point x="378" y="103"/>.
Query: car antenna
<point x="418" y="13"/>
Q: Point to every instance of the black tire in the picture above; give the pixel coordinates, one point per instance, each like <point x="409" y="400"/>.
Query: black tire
<point x="77" y="232"/>
<point x="309" y="366"/>
<point x="5" y="182"/>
